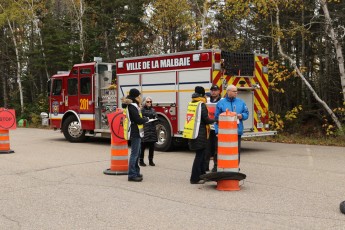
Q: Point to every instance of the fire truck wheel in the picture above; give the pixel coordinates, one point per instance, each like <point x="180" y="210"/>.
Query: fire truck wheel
<point x="342" y="207"/>
<point x="164" y="142"/>
<point x="71" y="130"/>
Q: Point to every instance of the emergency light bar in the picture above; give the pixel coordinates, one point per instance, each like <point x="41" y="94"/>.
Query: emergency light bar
<point x="97" y="59"/>
<point x="120" y="64"/>
<point x="200" y="57"/>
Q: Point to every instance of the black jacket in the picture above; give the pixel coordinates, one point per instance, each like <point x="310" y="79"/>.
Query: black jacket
<point x="201" y="141"/>
<point x="150" y="133"/>
<point x="133" y="116"/>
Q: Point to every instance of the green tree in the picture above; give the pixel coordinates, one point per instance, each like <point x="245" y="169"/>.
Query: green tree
<point x="172" y="28"/>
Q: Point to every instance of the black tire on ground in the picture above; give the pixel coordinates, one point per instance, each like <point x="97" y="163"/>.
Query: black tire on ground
<point x="164" y="142"/>
<point x="71" y="130"/>
<point x="342" y="207"/>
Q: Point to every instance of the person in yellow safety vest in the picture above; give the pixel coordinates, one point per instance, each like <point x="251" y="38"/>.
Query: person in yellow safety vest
<point x="134" y="131"/>
<point x="197" y="129"/>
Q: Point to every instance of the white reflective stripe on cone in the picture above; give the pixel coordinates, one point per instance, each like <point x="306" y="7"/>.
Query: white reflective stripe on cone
<point x="227" y="131"/>
<point x="228" y="157"/>
<point x="227" y="144"/>
<point x="227" y="118"/>
<point x="227" y="170"/>
<point x="119" y="147"/>
<point x="119" y="157"/>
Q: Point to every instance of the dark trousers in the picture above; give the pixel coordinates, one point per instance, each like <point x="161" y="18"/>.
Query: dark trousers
<point x="211" y="149"/>
<point x="198" y="168"/>
<point x="239" y="149"/>
<point x="151" y="146"/>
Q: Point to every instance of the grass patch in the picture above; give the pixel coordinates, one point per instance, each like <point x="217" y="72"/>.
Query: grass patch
<point x="302" y="139"/>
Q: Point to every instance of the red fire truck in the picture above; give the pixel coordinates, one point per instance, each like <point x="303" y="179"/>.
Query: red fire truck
<point x="80" y="99"/>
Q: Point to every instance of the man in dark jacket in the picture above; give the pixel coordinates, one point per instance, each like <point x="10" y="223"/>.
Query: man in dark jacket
<point x="135" y="132"/>
<point x="213" y="140"/>
<point x="201" y="133"/>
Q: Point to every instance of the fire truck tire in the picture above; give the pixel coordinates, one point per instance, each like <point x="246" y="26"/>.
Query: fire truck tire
<point x="342" y="207"/>
<point x="164" y="142"/>
<point x="71" y="130"/>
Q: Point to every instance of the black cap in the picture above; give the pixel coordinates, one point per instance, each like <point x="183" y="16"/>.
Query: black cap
<point x="133" y="93"/>
<point x="200" y="90"/>
<point x="214" y="87"/>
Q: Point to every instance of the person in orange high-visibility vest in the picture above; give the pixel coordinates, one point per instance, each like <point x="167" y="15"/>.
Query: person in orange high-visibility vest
<point x="197" y="129"/>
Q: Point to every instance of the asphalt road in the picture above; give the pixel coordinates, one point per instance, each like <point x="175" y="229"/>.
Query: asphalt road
<point x="49" y="183"/>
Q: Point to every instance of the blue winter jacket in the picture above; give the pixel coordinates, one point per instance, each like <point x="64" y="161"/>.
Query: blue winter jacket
<point x="234" y="105"/>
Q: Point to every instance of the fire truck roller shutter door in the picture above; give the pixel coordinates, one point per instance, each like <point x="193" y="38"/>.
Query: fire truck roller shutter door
<point x="72" y="130"/>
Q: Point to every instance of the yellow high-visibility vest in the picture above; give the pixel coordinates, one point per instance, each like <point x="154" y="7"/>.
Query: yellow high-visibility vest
<point x="193" y="118"/>
<point x="127" y="124"/>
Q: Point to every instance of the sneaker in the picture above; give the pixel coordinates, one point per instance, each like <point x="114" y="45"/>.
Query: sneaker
<point x="152" y="164"/>
<point x="135" y="179"/>
<point x="198" y="182"/>
<point x="142" y="163"/>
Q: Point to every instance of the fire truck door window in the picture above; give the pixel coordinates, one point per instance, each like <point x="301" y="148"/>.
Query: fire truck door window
<point x="85" y="71"/>
<point x="72" y="86"/>
<point x="102" y="68"/>
<point x="57" y="86"/>
<point x="85" y="85"/>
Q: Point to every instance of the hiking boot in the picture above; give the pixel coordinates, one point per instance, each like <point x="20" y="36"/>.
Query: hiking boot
<point x="135" y="179"/>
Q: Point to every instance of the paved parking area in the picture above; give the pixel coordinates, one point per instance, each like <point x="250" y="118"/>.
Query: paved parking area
<point x="49" y="183"/>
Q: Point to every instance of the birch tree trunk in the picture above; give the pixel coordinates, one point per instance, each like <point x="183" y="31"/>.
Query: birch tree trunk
<point x="2" y="71"/>
<point x="79" y="11"/>
<point x="19" y="69"/>
<point x="35" y="20"/>
<point x="293" y="63"/>
<point x="337" y="46"/>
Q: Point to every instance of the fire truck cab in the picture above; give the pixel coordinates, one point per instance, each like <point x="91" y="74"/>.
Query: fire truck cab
<point x="80" y="99"/>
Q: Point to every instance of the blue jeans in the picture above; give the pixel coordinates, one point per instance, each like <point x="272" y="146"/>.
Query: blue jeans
<point x="133" y="167"/>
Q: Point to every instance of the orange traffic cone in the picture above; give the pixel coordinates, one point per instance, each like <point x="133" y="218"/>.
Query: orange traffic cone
<point x="5" y="141"/>
<point x="119" y="158"/>
<point x="228" y="150"/>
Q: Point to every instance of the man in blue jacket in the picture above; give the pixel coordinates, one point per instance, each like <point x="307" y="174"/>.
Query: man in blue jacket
<point x="233" y="104"/>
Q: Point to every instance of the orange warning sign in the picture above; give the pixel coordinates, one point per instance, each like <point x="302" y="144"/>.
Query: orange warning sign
<point x="115" y="121"/>
<point x="7" y="119"/>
